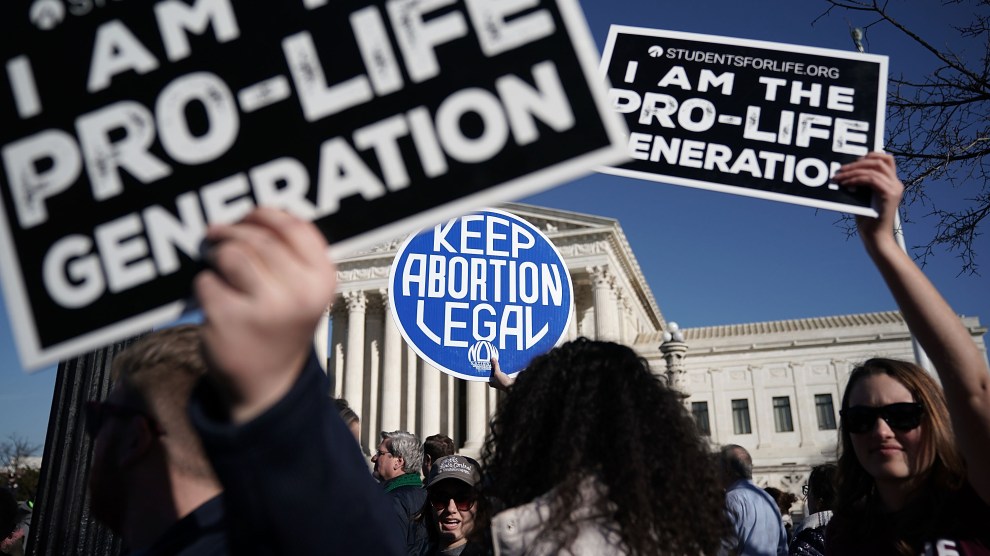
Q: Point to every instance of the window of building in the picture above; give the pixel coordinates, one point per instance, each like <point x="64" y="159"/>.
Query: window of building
<point x="825" y="411"/>
<point x="782" y="414"/>
<point x="700" y="412"/>
<point x="740" y="417"/>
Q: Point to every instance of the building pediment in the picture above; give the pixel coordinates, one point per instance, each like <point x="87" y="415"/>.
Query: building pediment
<point x="582" y="239"/>
<point x="552" y="222"/>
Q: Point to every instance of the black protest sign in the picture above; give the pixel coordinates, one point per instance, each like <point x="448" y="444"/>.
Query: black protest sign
<point x="127" y="127"/>
<point x="753" y="118"/>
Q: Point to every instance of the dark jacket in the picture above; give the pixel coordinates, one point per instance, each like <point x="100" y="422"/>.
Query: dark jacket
<point x="470" y="549"/>
<point x="407" y="502"/>
<point x="201" y="533"/>
<point x="809" y="542"/>
<point x="294" y="480"/>
<point x="954" y="521"/>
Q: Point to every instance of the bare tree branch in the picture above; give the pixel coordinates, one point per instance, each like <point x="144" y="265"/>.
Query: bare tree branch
<point x="938" y="126"/>
<point x="15" y="451"/>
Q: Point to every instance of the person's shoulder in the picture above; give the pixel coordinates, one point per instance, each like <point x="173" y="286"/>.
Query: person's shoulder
<point x="475" y="548"/>
<point x="963" y="520"/>
<point x="738" y="488"/>
<point x="811" y="533"/>
<point x="200" y="533"/>
<point x="809" y="541"/>
<point x="744" y="491"/>
<point x="746" y="486"/>
<point x="514" y="530"/>
<point x="841" y="536"/>
<point x="408" y="491"/>
<point x="408" y="498"/>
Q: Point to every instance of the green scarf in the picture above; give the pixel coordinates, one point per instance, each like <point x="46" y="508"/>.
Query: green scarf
<point x="409" y="479"/>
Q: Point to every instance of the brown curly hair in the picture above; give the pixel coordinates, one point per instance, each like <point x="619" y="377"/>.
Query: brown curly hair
<point x="594" y="409"/>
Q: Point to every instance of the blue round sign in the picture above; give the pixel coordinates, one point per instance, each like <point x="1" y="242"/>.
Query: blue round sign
<point x="482" y="286"/>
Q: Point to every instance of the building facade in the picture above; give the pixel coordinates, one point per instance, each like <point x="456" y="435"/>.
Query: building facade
<point x="773" y="387"/>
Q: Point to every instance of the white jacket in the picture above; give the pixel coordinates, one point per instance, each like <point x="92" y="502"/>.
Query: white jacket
<point x="515" y="531"/>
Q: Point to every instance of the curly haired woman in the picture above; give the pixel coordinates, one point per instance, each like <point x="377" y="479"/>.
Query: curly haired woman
<point x="594" y="454"/>
<point x="914" y="459"/>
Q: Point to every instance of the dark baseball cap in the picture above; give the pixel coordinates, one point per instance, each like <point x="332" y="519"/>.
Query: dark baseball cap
<point x="455" y="467"/>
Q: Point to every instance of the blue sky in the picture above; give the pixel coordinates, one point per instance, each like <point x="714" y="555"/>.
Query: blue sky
<point x="711" y="258"/>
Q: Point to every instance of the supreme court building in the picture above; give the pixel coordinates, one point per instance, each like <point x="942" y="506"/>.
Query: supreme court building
<point x="773" y="387"/>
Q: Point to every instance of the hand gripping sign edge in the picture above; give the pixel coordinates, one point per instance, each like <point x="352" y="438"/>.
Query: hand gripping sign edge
<point x="485" y="284"/>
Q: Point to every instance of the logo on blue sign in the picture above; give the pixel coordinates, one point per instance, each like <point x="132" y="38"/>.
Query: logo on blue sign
<point x="484" y="286"/>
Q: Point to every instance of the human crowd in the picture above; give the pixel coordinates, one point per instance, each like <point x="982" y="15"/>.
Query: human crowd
<point x="220" y="438"/>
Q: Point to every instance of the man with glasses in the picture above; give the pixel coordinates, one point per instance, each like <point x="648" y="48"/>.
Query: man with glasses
<point x="150" y="481"/>
<point x="398" y="459"/>
<point x="754" y="515"/>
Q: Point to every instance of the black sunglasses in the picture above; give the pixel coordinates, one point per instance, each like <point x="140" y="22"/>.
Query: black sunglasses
<point x="463" y="500"/>
<point x="898" y="416"/>
<point x="97" y="412"/>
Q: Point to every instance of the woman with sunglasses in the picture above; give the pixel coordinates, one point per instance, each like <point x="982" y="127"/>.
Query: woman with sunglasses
<point x="456" y="518"/>
<point x="914" y="460"/>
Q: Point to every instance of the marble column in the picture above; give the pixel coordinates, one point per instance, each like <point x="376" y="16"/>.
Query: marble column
<point x="338" y="342"/>
<point x="320" y="340"/>
<point x="450" y="405"/>
<point x="572" y="326"/>
<point x="430" y="400"/>
<point x="584" y="310"/>
<point x="373" y="327"/>
<point x="391" y="370"/>
<point x="492" y="405"/>
<point x="353" y="389"/>
<point x="412" y="422"/>
<point x="477" y="417"/>
<point x="606" y="317"/>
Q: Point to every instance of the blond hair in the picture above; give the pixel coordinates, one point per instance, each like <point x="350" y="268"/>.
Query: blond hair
<point x="158" y="373"/>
